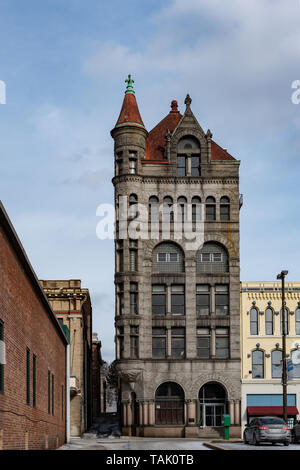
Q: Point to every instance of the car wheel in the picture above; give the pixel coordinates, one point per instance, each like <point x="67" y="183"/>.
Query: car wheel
<point x="255" y="441"/>
<point x="287" y="443"/>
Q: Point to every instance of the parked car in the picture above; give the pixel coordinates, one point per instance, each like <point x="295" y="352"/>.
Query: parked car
<point x="267" y="429"/>
<point x="296" y="432"/>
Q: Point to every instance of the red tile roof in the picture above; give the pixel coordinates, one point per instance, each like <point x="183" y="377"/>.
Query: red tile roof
<point x="130" y="112"/>
<point x="218" y="153"/>
<point x="156" y="141"/>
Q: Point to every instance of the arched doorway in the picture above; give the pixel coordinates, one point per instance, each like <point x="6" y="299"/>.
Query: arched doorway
<point x="212" y="398"/>
<point x="169" y="404"/>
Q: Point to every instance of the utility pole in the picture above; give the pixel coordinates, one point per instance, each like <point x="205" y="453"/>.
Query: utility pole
<point x="284" y="364"/>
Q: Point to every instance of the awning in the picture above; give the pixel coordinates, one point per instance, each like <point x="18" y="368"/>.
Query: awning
<point x="271" y="410"/>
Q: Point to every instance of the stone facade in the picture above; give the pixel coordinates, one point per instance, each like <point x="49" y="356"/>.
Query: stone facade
<point x="72" y="306"/>
<point x="155" y="173"/>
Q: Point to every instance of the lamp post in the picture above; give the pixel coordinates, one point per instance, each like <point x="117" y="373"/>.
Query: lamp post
<point x="284" y="365"/>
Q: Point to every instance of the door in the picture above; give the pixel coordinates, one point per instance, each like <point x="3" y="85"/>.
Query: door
<point x="213" y="415"/>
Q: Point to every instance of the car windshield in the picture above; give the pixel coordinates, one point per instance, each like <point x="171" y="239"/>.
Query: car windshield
<point x="271" y="421"/>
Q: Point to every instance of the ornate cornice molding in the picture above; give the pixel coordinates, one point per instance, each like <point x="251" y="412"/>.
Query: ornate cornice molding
<point x="173" y="180"/>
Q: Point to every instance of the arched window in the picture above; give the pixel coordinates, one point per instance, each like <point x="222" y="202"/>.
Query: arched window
<point x="168" y="214"/>
<point x="297" y="319"/>
<point x="276" y="364"/>
<point x="258" y="357"/>
<point x="253" y="321"/>
<point x="295" y="356"/>
<point x="196" y="209"/>
<point x="169" y="404"/>
<point x="210" y="206"/>
<point x="154" y="209"/>
<point x="188" y="149"/>
<point x="269" y="321"/>
<point x="286" y="314"/>
<point x="224" y="208"/>
<point x="181" y="207"/>
<point x="168" y="258"/>
<point x="212" y="258"/>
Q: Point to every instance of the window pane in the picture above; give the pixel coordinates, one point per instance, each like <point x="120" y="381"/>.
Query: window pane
<point x="203" y="348"/>
<point x="222" y="347"/>
<point x="276" y="364"/>
<point x="159" y="304"/>
<point x="159" y="347"/>
<point x="178" y="347"/>
<point x="178" y="304"/>
<point x="203" y="304"/>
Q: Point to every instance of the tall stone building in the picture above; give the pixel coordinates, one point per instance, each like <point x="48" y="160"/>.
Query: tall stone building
<point x="72" y="306"/>
<point x="177" y="307"/>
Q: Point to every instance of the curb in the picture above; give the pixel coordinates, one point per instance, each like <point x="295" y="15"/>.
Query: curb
<point x="213" y="446"/>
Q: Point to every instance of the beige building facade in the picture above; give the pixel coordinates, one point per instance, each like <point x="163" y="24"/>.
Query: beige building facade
<point x="177" y="308"/>
<point x="72" y="306"/>
<point x="261" y="349"/>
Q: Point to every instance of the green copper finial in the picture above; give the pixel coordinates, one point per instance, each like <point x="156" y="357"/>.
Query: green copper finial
<point x="129" y="82"/>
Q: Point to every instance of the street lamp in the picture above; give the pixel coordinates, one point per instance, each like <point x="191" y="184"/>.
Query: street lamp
<point x="284" y="366"/>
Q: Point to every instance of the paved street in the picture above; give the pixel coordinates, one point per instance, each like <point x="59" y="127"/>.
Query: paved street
<point x="94" y="443"/>
<point x="265" y="446"/>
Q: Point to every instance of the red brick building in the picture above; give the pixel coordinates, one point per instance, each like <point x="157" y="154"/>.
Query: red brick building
<point x="33" y="380"/>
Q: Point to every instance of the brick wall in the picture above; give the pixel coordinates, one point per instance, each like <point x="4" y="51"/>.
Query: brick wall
<point x="28" y="324"/>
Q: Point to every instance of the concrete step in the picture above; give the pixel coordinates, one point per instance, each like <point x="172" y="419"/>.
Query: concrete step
<point x="210" y="432"/>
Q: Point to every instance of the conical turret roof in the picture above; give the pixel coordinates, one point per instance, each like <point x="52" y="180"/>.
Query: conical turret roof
<point x="130" y="114"/>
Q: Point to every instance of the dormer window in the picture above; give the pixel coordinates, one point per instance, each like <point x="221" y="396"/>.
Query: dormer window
<point x="188" y="157"/>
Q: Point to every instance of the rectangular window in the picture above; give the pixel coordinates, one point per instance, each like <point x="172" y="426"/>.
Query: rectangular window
<point x="133" y="260"/>
<point x="119" y="256"/>
<point x="120" y="298"/>
<point x="52" y="393"/>
<point x="27" y="376"/>
<point x="134" y="298"/>
<point x="49" y="391"/>
<point x="120" y="342"/>
<point x="225" y="212"/>
<point x="159" y="299"/>
<point x="177" y="300"/>
<point x="222" y="299"/>
<point x="34" y="381"/>
<point x="134" y="342"/>
<point x="222" y="343"/>
<point x="178" y="343"/>
<point x="195" y="165"/>
<point x="203" y="299"/>
<point x="159" y="342"/>
<point x="2" y="356"/>
<point x="167" y="257"/>
<point x="203" y="343"/>
<point x="181" y="165"/>
<point x="132" y="166"/>
<point x="210" y="212"/>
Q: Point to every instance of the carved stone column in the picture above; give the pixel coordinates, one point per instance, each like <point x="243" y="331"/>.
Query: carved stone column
<point x="237" y="412"/>
<point x="151" y="411"/>
<point x="145" y="413"/>
<point x="191" y="412"/>
<point x="124" y="413"/>
<point x="231" y="412"/>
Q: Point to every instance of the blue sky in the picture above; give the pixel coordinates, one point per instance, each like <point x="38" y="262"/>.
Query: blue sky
<point x="64" y="63"/>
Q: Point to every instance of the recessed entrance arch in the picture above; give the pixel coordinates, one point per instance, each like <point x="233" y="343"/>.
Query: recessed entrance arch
<point x="212" y="398"/>
<point x="169" y="404"/>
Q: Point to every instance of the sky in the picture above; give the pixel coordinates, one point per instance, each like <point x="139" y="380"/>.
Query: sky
<point x="64" y="63"/>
